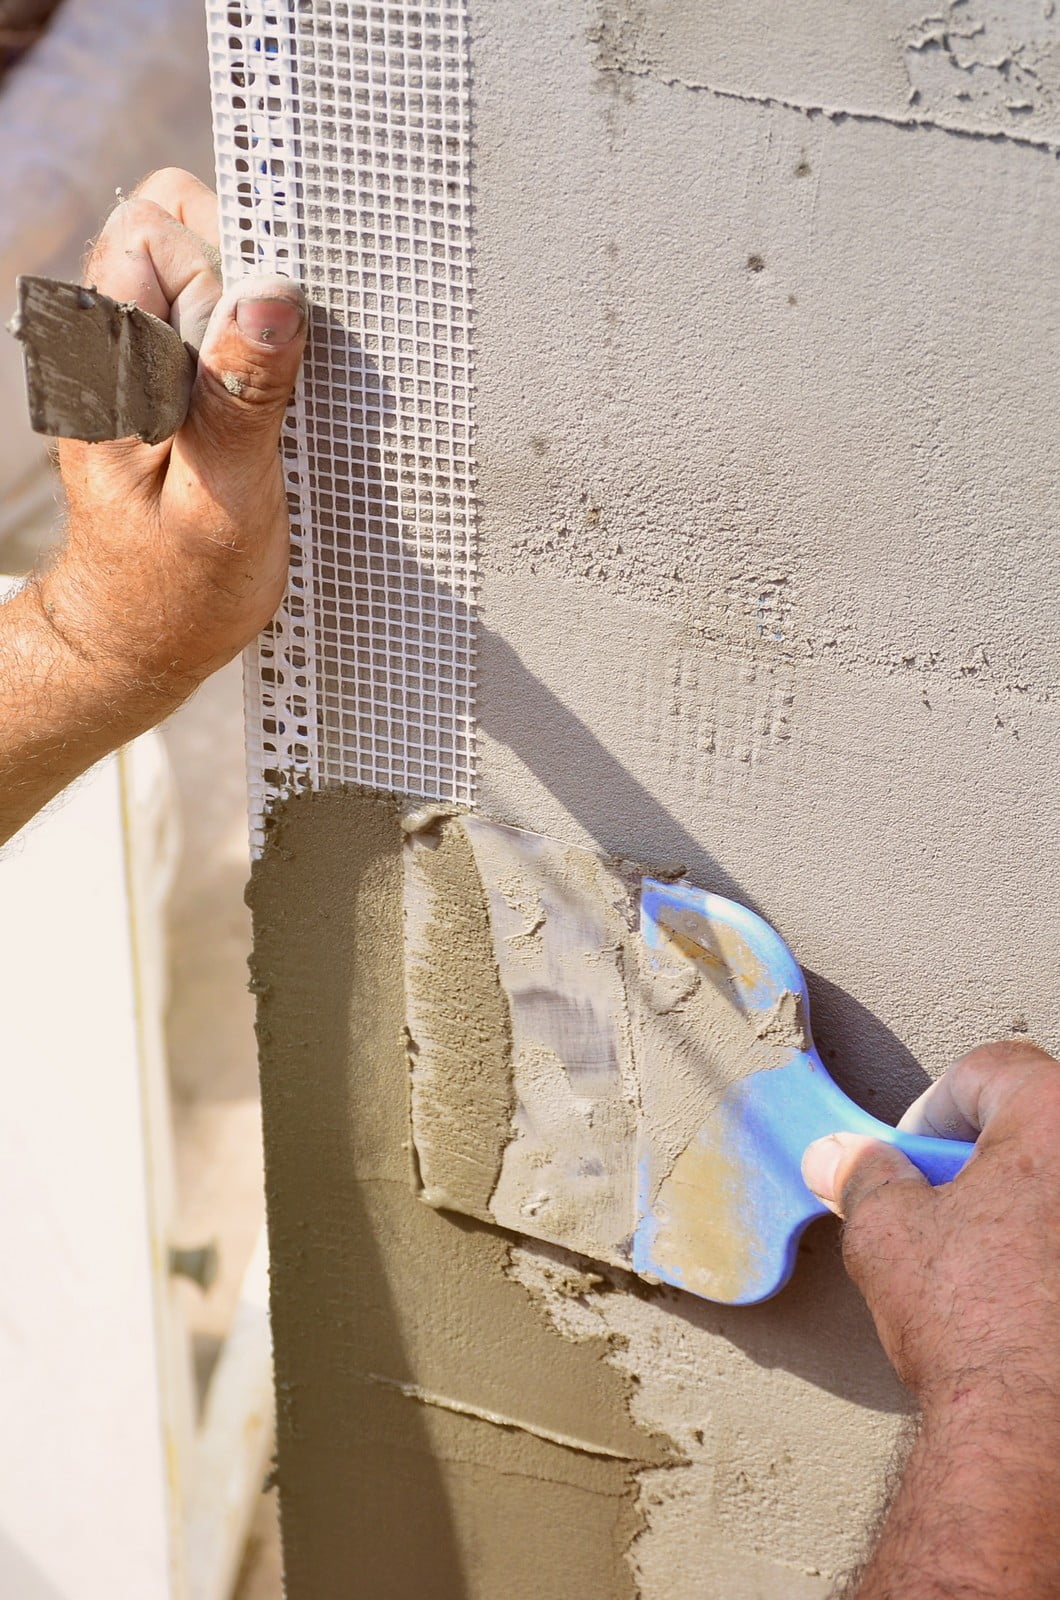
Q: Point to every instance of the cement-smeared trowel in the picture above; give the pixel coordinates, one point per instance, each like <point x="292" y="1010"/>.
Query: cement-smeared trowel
<point x="613" y="1063"/>
<point x="97" y="368"/>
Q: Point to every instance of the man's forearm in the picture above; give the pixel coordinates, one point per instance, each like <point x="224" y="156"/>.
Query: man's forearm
<point x="62" y="708"/>
<point x="974" y="1517"/>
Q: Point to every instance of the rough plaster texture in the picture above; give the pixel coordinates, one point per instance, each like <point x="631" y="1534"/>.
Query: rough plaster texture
<point x="438" y="1434"/>
<point x="564" y="1077"/>
<point x="767" y="376"/>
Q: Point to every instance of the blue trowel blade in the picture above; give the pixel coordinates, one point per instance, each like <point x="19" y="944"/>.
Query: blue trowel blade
<point x="724" y="1220"/>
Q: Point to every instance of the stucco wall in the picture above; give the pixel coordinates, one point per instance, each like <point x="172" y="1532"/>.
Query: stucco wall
<point x="767" y="383"/>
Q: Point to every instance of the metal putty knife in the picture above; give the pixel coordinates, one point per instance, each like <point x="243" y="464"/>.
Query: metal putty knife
<point x="98" y="369"/>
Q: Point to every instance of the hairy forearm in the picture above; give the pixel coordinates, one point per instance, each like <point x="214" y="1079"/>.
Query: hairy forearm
<point x="974" y="1515"/>
<point x="63" y="705"/>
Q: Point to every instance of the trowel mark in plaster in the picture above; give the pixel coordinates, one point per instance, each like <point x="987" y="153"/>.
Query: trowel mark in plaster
<point x="841" y="114"/>
<point x="573" y="1299"/>
<point x="689" y="1377"/>
<point x="460" y="1035"/>
<point x="580" y="992"/>
<point x="414" y="1391"/>
<point x="550" y="930"/>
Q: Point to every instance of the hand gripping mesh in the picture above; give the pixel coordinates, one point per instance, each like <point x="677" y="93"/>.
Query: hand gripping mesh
<point x="343" y="155"/>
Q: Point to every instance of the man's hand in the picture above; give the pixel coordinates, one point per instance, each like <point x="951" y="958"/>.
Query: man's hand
<point x="176" y="554"/>
<point x="963" y="1282"/>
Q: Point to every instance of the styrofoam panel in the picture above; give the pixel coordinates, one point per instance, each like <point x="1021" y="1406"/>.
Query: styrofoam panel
<point x="343" y="158"/>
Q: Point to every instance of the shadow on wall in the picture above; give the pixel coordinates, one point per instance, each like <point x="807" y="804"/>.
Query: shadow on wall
<point x="818" y="1327"/>
<point x="573" y="765"/>
<point x="353" y="1456"/>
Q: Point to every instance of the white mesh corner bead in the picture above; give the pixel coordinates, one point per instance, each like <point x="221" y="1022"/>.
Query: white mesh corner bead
<point x="342" y="135"/>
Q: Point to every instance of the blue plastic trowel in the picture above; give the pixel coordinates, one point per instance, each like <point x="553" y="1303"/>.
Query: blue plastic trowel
<point x="615" y="1064"/>
<point x="725" y="1222"/>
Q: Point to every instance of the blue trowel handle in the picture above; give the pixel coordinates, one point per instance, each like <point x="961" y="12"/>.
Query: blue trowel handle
<point x="824" y="1108"/>
<point x="939" y="1160"/>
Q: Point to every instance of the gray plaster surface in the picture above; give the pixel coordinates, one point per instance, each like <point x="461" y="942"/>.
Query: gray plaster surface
<point x="767" y="374"/>
<point x="766" y="324"/>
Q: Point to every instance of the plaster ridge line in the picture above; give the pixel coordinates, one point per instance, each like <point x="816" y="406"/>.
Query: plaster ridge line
<point x="833" y="113"/>
<point x="463" y="1408"/>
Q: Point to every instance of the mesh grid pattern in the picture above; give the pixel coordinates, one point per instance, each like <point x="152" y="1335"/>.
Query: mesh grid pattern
<point x="343" y="157"/>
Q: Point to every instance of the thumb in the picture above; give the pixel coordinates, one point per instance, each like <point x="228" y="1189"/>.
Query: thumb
<point x="880" y="1195"/>
<point x="248" y="364"/>
<point x="846" y="1168"/>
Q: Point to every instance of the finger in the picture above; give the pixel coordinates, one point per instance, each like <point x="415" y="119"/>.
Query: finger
<point x="119" y="477"/>
<point x="970" y="1094"/>
<point x="884" y="1202"/>
<point x="844" y="1169"/>
<point x="146" y="256"/>
<point x="247" y="369"/>
<point x="184" y="197"/>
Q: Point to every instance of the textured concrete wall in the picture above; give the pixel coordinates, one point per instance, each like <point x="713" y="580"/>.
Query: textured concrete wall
<point x="767" y="385"/>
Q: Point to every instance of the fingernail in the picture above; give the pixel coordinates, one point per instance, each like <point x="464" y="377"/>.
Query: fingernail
<point x="819" y="1166"/>
<point x="270" y="320"/>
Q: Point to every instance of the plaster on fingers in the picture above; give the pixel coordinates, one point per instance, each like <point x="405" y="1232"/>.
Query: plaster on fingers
<point x="145" y="255"/>
<point x="185" y="197"/>
<point x="252" y="349"/>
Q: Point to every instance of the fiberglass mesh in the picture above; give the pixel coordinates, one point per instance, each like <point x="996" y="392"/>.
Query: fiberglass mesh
<point x="342" y="142"/>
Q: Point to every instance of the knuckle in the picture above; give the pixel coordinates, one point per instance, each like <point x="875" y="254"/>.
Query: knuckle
<point x="1028" y="1108"/>
<point x="1021" y="1050"/>
<point x="161" y="178"/>
<point x="244" y="386"/>
<point x="137" y="215"/>
<point x="870" y="1188"/>
<point x="1002" y="1058"/>
<point x="167" y="188"/>
<point x="127" y="228"/>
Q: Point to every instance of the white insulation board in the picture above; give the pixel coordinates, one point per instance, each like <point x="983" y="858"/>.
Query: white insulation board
<point x="342" y="135"/>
